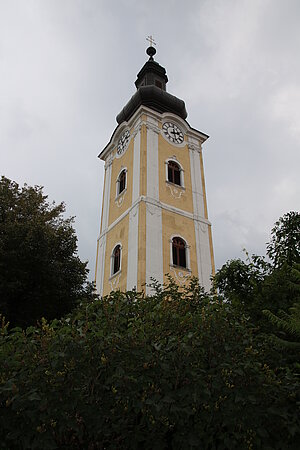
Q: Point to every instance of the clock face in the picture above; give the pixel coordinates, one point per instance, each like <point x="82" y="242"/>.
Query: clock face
<point x="173" y="133"/>
<point x="123" y="142"/>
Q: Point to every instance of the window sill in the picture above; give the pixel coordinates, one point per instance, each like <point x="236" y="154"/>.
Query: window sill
<point x="115" y="275"/>
<point x="120" y="195"/>
<point x="181" y="268"/>
<point x="175" y="185"/>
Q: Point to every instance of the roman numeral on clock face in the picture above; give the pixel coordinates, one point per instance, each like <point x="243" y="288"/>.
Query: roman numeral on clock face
<point x="173" y="132"/>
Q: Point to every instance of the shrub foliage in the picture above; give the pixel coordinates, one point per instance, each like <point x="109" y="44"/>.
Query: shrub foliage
<point x="177" y="370"/>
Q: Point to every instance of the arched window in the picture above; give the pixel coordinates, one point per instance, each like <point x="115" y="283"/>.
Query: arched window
<point x="174" y="173"/>
<point x="116" y="259"/>
<point x="179" y="252"/>
<point x="121" y="182"/>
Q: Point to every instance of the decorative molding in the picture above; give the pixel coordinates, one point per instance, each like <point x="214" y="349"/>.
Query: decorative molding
<point x="194" y="147"/>
<point x="190" y="132"/>
<point x="181" y="123"/>
<point x="152" y="127"/>
<point x="183" y="213"/>
<point x="181" y="275"/>
<point x="175" y="189"/>
<point x="203" y="227"/>
<point x="135" y="210"/>
<point x="142" y="198"/>
<point x="137" y="129"/>
<point x="114" y="281"/>
<point x="108" y="162"/>
<point x="152" y="209"/>
<point x="120" y="198"/>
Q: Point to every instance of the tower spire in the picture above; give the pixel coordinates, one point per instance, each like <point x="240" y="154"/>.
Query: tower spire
<point x="151" y="90"/>
<point x="151" y="50"/>
<point x="151" y="40"/>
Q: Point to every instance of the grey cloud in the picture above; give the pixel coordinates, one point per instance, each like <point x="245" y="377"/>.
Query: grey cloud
<point x="67" y="68"/>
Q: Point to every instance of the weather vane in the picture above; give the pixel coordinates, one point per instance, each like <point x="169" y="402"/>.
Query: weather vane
<point x="151" y="40"/>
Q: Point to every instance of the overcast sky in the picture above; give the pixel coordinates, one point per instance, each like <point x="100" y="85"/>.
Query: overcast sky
<point x="67" y="68"/>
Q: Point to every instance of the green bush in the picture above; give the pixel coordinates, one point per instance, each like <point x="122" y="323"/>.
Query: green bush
<point x="178" y="370"/>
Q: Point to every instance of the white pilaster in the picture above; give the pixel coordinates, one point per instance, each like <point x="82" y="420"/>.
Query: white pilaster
<point x="204" y="250"/>
<point x="152" y="159"/>
<point x="198" y="251"/>
<point x="105" y="214"/>
<point x="198" y="199"/>
<point x="104" y="225"/>
<point x="133" y="246"/>
<point x="154" y="252"/>
<point x="136" y="164"/>
<point x="100" y="264"/>
<point x="201" y="233"/>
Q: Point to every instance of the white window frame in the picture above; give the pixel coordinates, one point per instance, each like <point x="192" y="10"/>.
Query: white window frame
<point x="175" y="160"/>
<point x="187" y="253"/>
<point x="118" y="182"/>
<point x="112" y="260"/>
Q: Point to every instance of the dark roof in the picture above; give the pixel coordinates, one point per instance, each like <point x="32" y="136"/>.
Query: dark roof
<point x="154" y="98"/>
<point x="151" y="92"/>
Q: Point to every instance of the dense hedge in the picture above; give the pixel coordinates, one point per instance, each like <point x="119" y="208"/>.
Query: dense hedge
<point x="171" y="371"/>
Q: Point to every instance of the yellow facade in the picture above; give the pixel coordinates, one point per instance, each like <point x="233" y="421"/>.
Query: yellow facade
<point x="120" y="203"/>
<point x="175" y="224"/>
<point x="174" y="195"/>
<point x="118" y="234"/>
<point x="145" y="217"/>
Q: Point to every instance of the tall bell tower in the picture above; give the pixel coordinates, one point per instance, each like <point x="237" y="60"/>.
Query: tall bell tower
<point x="154" y="214"/>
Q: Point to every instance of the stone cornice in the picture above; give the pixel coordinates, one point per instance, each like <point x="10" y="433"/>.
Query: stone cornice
<point x="135" y="122"/>
<point x="161" y="205"/>
<point x="194" y="147"/>
<point x="152" y="127"/>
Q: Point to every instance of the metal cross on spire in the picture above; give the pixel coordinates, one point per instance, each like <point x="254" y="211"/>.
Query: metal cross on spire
<point x="151" y="40"/>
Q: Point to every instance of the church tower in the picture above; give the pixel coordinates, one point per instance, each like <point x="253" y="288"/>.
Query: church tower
<point x="154" y="213"/>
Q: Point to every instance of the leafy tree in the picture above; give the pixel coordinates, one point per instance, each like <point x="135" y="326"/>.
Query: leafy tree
<point x="257" y="284"/>
<point x="40" y="272"/>
<point x="177" y="370"/>
<point x="284" y="247"/>
<point x="289" y="324"/>
<point x="238" y="281"/>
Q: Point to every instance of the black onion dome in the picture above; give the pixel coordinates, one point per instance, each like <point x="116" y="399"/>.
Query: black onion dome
<point x="151" y="92"/>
